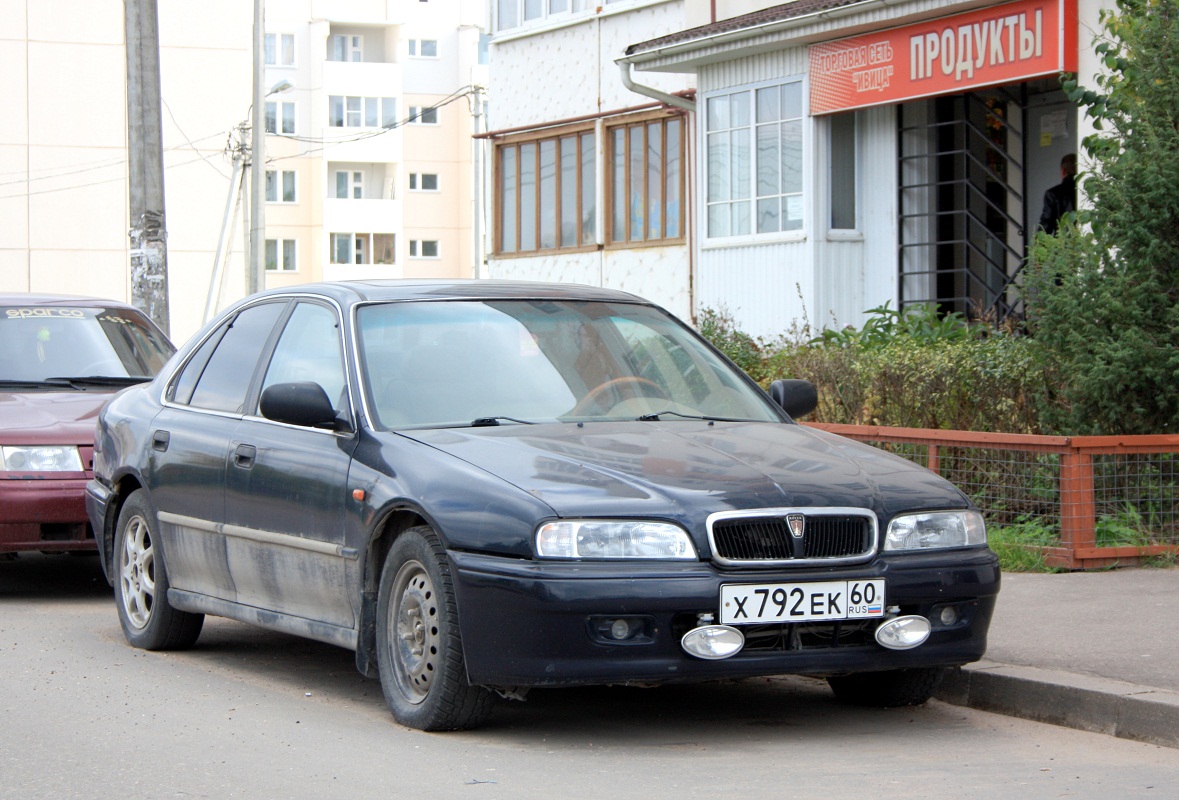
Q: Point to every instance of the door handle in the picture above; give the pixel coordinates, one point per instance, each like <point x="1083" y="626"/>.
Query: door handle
<point x="244" y="456"/>
<point x="159" y="440"/>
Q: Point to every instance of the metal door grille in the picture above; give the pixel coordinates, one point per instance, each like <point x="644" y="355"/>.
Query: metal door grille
<point x="962" y="190"/>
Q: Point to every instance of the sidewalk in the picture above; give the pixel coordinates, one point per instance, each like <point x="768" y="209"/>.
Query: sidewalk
<point x="1097" y="651"/>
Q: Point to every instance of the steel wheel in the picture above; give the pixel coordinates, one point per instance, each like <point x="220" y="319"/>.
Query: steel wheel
<point x="419" y="646"/>
<point x="137" y="572"/>
<point x="413" y="637"/>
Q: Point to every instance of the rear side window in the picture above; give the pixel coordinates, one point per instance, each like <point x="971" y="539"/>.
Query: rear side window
<point x="225" y="377"/>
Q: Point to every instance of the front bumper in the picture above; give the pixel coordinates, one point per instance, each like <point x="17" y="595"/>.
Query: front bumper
<point x="46" y="514"/>
<point x="529" y="623"/>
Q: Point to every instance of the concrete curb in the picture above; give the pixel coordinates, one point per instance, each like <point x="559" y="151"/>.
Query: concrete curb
<point x="1125" y="710"/>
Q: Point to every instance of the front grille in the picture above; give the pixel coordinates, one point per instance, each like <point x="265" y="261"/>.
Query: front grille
<point x="768" y="537"/>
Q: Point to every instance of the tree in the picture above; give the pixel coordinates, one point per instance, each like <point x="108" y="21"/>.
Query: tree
<point x="1104" y="291"/>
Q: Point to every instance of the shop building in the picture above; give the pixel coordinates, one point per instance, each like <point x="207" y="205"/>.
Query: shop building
<point x="843" y="155"/>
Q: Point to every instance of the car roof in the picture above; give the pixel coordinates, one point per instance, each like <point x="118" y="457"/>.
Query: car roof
<point x="484" y="289"/>
<point x="27" y="299"/>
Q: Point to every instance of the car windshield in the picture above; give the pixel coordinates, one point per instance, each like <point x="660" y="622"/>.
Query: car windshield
<point x="44" y="344"/>
<point x="521" y="361"/>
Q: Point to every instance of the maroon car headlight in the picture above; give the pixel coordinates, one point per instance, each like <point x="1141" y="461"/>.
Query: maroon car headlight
<point x="935" y="530"/>
<point x="613" y="539"/>
<point x="30" y="458"/>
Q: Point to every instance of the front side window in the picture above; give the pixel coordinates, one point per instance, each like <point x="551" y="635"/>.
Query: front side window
<point x="309" y="350"/>
<point x="646" y="181"/>
<point x="347" y="47"/>
<point x="280" y="117"/>
<point x="349" y="185"/>
<point x="754" y="161"/>
<point x="843" y="158"/>
<point x="423" y="248"/>
<point x="423" y="181"/>
<point x="543" y="361"/>
<point x="423" y="48"/>
<point x="545" y="190"/>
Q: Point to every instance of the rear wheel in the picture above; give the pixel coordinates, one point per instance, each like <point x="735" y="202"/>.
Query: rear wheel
<point x="419" y="648"/>
<point x="141" y="583"/>
<point x="890" y="689"/>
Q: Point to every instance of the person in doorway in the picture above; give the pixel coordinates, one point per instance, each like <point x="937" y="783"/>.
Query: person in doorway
<point x="1061" y="198"/>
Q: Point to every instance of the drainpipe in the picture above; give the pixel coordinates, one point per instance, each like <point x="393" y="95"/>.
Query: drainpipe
<point x="648" y="91"/>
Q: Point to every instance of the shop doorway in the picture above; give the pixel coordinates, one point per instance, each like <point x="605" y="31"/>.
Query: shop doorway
<point x="963" y="202"/>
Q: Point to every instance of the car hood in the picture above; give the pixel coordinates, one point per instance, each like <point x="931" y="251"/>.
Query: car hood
<point x="686" y="469"/>
<point x="50" y="417"/>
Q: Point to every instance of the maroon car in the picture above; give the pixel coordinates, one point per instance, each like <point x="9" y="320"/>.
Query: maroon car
<point x="61" y="359"/>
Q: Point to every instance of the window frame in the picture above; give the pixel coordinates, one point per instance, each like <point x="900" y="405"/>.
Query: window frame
<point x="417" y="48"/>
<point x="417" y="181"/>
<point x="386" y="118"/>
<point x="586" y="180"/>
<point x="277" y="106"/>
<point x="349" y="50"/>
<point x="283" y="264"/>
<point x="278" y="37"/>
<point x="280" y="193"/>
<point x="853" y="180"/>
<point x="417" y="249"/>
<point x="418" y="114"/>
<point x="643" y="122"/>
<point x="806" y="194"/>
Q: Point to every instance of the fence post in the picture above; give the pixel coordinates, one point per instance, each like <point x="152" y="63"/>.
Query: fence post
<point x="935" y="459"/>
<point x="1078" y="508"/>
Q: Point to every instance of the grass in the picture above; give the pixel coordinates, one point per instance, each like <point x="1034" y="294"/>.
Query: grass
<point x="1018" y="546"/>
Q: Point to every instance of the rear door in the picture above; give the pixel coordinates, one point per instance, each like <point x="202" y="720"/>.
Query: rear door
<point x="189" y="443"/>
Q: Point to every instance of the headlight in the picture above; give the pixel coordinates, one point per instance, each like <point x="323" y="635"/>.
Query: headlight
<point x="936" y="529"/>
<point x="40" y="459"/>
<point x="590" y="538"/>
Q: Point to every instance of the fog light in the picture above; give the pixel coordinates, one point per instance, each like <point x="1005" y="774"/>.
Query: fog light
<point x="903" y="633"/>
<point x="620" y="629"/>
<point x="713" y="642"/>
<point x="948" y="616"/>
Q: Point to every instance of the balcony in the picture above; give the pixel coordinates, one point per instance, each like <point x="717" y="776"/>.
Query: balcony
<point x="376" y="216"/>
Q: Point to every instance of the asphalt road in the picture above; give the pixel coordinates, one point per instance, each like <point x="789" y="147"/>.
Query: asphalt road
<point x="249" y="713"/>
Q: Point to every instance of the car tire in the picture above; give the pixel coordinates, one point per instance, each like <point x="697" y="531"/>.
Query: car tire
<point x="890" y="689"/>
<point x="419" y="648"/>
<point x="141" y="583"/>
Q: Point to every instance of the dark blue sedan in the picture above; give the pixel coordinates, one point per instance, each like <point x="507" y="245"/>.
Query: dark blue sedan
<point x="483" y="487"/>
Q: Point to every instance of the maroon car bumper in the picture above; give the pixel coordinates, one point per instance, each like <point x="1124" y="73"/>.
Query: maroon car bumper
<point x="44" y="514"/>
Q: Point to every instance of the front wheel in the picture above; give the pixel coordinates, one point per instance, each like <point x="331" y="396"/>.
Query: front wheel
<point x="419" y="648"/>
<point x="889" y="689"/>
<point x="141" y="583"/>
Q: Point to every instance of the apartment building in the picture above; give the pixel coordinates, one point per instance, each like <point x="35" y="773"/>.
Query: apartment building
<point x="368" y="158"/>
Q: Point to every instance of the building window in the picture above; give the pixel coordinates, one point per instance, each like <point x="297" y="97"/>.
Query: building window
<point x="754" y="161"/>
<point x="546" y="194"/>
<point x="423" y="48"/>
<point x="280" y="186"/>
<point x="423" y="182"/>
<point x="844" y="159"/>
<point x="284" y="248"/>
<point x="423" y="115"/>
<point x="280" y="117"/>
<point x="349" y="185"/>
<point x="361" y="112"/>
<point x="423" y="248"/>
<point x="279" y="49"/>
<point x="347" y="47"/>
<point x="645" y="181"/>
<point x="362" y="248"/>
<point x="517" y="13"/>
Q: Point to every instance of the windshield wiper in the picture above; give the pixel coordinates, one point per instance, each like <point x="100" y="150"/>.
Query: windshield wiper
<point x="655" y="417"/>
<point x="98" y="380"/>
<point x="487" y="422"/>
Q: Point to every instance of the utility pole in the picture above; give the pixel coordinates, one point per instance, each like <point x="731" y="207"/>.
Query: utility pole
<point x="258" y="160"/>
<point x="145" y="157"/>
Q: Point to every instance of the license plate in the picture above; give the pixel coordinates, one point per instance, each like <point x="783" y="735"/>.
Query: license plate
<point x="760" y="603"/>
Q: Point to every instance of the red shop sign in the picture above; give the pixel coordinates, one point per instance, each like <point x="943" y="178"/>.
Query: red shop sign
<point x="988" y="47"/>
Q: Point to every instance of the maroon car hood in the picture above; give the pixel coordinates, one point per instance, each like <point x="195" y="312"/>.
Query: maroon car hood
<point x="50" y="417"/>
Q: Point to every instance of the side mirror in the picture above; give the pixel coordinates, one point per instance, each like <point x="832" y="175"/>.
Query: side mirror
<point x="796" y="397"/>
<point x="304" y="403"/>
